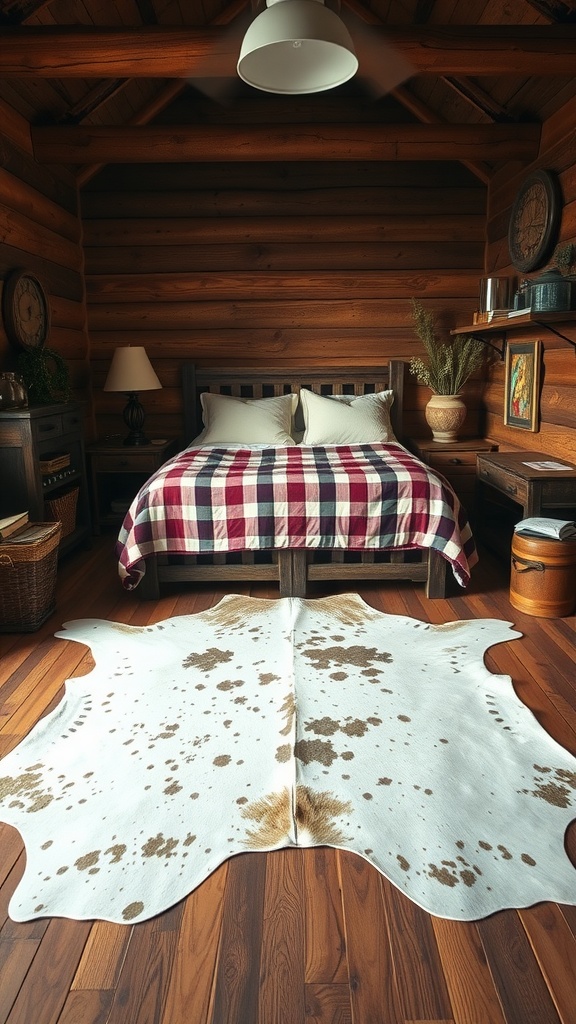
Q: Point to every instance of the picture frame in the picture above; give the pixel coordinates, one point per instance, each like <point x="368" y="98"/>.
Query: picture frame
<point x="522" y="385"/>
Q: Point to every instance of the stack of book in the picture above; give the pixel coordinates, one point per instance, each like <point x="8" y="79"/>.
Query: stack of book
<point x="488" y="316"/>
<point x="497" y="314"/>
<point x="12" y="525"/>
<point x="519" y="312"/>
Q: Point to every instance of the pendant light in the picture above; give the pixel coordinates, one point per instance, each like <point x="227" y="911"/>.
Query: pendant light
<point x="296" y="47"/>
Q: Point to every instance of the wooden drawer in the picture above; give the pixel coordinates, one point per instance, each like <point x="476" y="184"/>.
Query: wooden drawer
<point x="504" y="482"/>
<point x="71" y="422"/>
<point x="125" y="462"/>
<point x="457" y="462"/>
<point x="44" y="428"/>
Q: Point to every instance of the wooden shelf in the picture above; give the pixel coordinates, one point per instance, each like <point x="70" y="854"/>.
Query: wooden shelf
<point x="524" y="320"/>
<point x="503" y="324"/>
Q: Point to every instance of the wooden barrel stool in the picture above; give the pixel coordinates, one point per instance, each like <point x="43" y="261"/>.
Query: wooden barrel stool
<point x="543" y="576"/>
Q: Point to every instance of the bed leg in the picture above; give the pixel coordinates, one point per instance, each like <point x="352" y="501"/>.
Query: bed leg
<point x="149" y="587"/>
<point x="292" y="573"/>
<point x="285" y="573"/>
<point x="436" y="582"/>
<point x="299" y="573"/>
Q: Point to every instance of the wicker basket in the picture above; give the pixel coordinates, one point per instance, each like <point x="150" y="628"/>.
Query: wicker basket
<point x="28" y="578"/>
<point x="52" y="463"/>
<point x="63" y="507"/>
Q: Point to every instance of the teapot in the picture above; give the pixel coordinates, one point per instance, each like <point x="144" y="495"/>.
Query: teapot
<point x="13" y="394"/>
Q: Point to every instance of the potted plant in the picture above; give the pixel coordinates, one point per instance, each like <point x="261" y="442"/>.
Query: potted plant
<point x="445" y="369"/>
<point x="564" y="258"/>
<point x="46" y="376"/>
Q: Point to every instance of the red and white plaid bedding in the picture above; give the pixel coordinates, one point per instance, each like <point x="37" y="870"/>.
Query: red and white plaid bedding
<point x="356" y="497"/>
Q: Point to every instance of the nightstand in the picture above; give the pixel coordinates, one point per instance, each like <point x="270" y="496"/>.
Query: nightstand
<point x="35" y="436"/>
<point x="116" y="473"/>
<point x="456" y="460"/>
<point x="510" y="490"/>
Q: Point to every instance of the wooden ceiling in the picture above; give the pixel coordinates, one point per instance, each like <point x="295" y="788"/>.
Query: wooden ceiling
<point x="81" y="72"/>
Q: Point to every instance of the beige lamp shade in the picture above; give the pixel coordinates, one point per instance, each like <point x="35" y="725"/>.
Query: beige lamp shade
<point x="297" y="46"/>
<point x="131" y="370"/>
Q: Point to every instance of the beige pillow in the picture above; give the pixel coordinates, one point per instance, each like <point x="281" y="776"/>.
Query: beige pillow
<point x="231" y="420"/>
<point x="347" y="419"/>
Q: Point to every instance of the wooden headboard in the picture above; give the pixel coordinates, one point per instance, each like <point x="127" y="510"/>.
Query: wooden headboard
<point x="253" y="382"/>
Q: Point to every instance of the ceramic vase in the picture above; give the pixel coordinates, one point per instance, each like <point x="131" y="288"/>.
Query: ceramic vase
<point x="445" y="414"/>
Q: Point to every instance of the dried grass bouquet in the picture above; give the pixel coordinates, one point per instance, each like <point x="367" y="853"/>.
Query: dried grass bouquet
<point x="448" y="365"/>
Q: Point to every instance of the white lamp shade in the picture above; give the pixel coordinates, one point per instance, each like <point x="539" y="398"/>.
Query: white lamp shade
<point x="297" y="46"/>
<point x="131" y="370"/>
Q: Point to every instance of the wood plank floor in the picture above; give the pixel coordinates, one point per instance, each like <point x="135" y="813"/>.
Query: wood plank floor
<point x="296" y="936"/>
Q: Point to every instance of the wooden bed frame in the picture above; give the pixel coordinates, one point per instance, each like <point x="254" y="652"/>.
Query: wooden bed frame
<point x="293" y="569"/>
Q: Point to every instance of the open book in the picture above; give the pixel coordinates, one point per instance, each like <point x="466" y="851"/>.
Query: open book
<point x="558" y="529"/>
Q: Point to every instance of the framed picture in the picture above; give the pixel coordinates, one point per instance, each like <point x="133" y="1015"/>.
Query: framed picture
<point x="522" y="388"/>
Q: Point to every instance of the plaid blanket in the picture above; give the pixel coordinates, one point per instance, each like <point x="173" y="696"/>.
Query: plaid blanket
<point x="356" y="497"/>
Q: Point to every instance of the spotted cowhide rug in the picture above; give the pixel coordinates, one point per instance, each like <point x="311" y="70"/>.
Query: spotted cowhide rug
<point x="264" y="724"/>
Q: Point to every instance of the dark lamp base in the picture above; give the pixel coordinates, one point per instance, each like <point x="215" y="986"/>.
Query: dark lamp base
<point x="134" y="439"/>
<point x="134" y="420"/>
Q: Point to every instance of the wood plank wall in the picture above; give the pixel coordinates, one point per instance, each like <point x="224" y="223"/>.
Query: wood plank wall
<point x="557" y="428"/>
<point x="284" y="264"/>
<point x="40" y="230"/>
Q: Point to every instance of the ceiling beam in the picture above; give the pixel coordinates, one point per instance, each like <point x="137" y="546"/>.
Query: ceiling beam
<point x="422" y="11"/>
<point x="406" y="97"/>
<point x="556" y="10"/>
<point x="423" y="112"/>
<point x="18" y="12"/>
<point x="147" y="12"/>
<point x="93" y="99"/>
<point x="481" y="100"/>
<point x="154" y="51"/>
<point x="169" y="93"/>
<point x="287" y="142"/>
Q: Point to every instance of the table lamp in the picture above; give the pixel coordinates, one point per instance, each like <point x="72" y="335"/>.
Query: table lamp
<point x="131" y="372"/>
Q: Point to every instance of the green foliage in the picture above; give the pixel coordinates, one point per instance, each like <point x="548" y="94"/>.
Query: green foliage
<point x="45" y="375"/>
<point x="447" y="366"/>
<point x="565" y="257"/>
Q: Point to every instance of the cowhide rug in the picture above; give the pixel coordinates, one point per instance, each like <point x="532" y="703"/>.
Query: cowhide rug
<point x="264" y="724"/>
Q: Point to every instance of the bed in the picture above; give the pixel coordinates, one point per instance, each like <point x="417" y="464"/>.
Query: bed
<point x="227" y="509"/>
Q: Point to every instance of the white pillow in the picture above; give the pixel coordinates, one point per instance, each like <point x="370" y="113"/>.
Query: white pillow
<point x="347" y="419"/>
<point x="231" y="420"/>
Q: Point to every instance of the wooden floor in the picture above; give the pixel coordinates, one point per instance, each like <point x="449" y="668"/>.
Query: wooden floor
<point x="296" y="936"/>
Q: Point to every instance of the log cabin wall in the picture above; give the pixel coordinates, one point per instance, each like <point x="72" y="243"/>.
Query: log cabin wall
<point x="557" y="427"/>
<point x="41" y="231"/>
<point x="275" y="263"/>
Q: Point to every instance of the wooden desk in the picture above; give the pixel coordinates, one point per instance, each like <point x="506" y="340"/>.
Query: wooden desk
<point x="537" y="492"/>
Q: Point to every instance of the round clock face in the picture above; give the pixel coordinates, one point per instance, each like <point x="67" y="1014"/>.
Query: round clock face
<point x="534" y="221"/>
<point x="26" y="310"/>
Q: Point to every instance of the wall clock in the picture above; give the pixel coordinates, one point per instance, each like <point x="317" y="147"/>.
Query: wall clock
<point x="534" y="221"/>
<point x="25" y="310"/>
